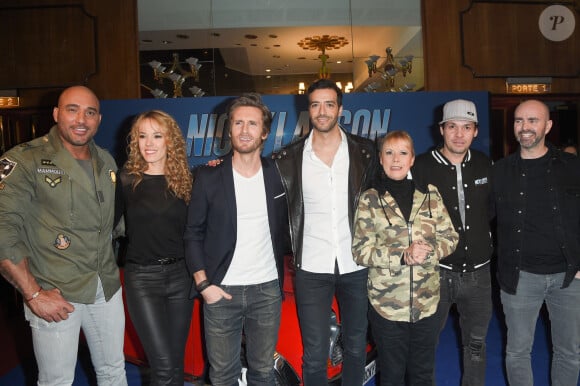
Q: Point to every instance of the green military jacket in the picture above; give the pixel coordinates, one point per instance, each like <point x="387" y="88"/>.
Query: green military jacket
<point x="381" y="234"/>
<point x="52" y="213"/>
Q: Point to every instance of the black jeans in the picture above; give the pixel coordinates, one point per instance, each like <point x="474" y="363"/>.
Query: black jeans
<point x="160" y="309"/>
<point x="314" y="294"/>
<point x="406" y="350"/>
<point x="471" y="292"/>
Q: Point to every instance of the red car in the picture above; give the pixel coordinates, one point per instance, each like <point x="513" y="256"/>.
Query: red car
<point x="288" y="356"/>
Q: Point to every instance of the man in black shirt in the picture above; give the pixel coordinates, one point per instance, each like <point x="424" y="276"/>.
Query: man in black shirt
<point x="461" y="175"/>
<point x="536" y="192"/>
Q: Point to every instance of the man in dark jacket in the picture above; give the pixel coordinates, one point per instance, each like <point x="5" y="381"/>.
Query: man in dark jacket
<point x="323" y="175"/>
<point x="235" y="241"/>
<point x="461" y="175"/>
<point x="536" y="192"/>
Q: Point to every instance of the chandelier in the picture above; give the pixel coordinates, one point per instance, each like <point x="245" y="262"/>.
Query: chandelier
<point x="177" y="75"/>
<point x="389" y="70"/>
<point x="322" y="44"/>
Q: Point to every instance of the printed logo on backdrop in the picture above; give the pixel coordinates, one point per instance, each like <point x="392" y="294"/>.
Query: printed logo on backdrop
<point x="371" y="115"/>
<point x="206" y="132"/>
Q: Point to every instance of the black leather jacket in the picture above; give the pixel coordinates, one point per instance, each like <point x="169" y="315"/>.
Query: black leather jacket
<point x="508" y="193"/>
<point x="362" y="159"/>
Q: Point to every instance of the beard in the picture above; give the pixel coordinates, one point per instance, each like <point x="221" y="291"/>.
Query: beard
<point x="324" y="127"/>
<point x="530" y="142"/>
<point x="244" y="147"/>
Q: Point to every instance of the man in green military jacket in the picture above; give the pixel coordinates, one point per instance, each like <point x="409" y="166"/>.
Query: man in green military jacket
<point x="56" y="219"/>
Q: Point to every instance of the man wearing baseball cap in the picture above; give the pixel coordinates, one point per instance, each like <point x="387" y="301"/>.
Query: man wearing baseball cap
<point x="461" y="175"/>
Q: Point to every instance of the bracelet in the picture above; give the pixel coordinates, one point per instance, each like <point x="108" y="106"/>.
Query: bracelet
<point x="34" y="295"/>
<point x="202" y="285"/>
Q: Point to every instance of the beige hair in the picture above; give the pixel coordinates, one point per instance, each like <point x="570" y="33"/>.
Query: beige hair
<point x="177" y="171"/>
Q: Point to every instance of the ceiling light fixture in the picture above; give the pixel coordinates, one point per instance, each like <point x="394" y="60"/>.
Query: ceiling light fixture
<point x="177" y="74"/>
<point x="322" y="44"/>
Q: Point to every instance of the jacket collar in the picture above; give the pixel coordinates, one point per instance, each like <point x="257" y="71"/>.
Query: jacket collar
<point x="440" y="158"/>
<point x="553" y="153"/>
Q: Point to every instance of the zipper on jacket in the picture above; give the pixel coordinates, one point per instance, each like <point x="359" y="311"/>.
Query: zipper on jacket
<point x="290" y="218"/>
<point x="411" y="313"/>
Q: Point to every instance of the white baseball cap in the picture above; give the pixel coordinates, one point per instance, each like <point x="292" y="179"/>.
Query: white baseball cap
<point x="459" y="110"/>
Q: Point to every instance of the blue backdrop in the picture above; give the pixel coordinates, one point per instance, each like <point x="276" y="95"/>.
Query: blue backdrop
<point x="370" y="115"/>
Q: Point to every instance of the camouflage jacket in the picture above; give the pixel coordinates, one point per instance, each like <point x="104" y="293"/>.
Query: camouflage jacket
<point x="399" y="292"/>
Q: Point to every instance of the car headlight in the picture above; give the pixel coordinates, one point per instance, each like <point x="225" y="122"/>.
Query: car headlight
<point x="284" y="373"/>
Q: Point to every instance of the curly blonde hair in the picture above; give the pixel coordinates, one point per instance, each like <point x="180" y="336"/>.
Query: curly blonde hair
<point x="177" y="172"/>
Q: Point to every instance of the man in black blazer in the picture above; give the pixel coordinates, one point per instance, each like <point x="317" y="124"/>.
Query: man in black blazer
<point x="235" y="238"/>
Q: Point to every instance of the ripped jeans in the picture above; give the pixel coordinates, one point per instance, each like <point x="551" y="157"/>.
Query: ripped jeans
<point x="471" y="292"/>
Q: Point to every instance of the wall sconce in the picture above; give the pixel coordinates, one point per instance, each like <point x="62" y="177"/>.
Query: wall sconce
<point x="372" y="64"/>
<point x="176" y="73"/>
<point x="372" y="87"/>
<point x="407" y="87"/>
<point x="301" y="88"/>
<point x="157" y="93"/>
<point x="197" y="92"/>
<point x="376" y="87"/>
<point x="390" y="69"/>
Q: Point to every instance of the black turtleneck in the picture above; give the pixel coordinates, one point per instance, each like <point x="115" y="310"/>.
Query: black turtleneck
<point x="401" y="190"/>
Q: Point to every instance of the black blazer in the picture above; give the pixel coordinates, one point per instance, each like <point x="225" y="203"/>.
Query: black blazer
<point x="211" y="229"/>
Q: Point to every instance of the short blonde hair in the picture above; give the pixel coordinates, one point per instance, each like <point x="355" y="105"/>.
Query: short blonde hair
<point x="396" y="134"/>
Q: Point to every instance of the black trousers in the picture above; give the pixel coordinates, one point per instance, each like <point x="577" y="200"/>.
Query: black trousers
<point x="160" y="309"/>
<point x="314" y="293"/>
<point x="406" y="350"/>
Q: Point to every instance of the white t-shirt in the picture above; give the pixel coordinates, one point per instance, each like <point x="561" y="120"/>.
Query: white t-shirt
<point x="253" y="261"/>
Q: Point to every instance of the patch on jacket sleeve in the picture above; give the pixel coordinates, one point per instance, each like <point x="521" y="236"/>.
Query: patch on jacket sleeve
<point x="62" y="242"/>
<point x="6" y="168"/>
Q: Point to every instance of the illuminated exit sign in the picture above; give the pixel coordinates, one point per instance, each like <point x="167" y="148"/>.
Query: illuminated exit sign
<point x="9" y="102"/>
<point x="528" y="85"/>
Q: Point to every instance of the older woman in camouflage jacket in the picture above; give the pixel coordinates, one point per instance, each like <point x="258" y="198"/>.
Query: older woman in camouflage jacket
<point x="401" y="231"/>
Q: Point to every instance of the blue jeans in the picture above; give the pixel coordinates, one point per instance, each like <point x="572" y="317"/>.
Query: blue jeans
<point x="56" y="343"/>
<point x="314" y="294"/>
<point x="160" y="309"/>
<point x="521" y="313"/>
<point x="406" y="350"/>
<point x="255" y="310"/>
<point x="471" y="293"/>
